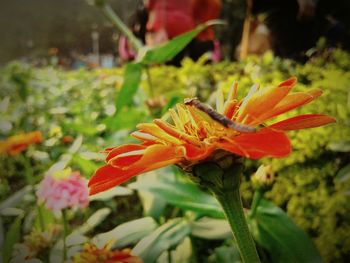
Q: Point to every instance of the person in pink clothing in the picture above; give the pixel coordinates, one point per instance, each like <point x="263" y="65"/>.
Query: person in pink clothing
<point x="167" y="19"/>
<point x="170" y="18"/>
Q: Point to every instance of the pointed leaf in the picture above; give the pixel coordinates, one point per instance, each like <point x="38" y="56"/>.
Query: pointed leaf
<point x="132" y="77"/>
<point x="276" y="232"/>
<point x="94" y="220"/>
<point x="180" y="193"/>
<point x="344" y="174"/>
<point x="109" y="194"/>
<point x="127" y="233"/>
<point x="170" y="49"/>
<point x="12" y="237"/>
<point x="210" y="228"/>
<point x="163" y="238"/>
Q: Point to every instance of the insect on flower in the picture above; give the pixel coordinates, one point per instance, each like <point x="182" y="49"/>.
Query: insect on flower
<point x="194" y="133"/>
<point x="218" y="117"/>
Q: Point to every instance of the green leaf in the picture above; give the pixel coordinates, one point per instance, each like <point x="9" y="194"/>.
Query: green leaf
<point x="182" y="253"/>
<point x="152" y="205"/>
<point x="94" y="220"/>
<point x="181" y="193"/>
<point x="86" y="166"/>
<point x="170" y="49"/>
<point x="109" y="194"/>
<point x="132" y="77"/>
<point x="344" y="174"/>
<point x="341" y="146"/>
<point x="277" y="233"/>
<point x="163" y="238"/>
<point x="210" y="228"/>
<point x="225" y="254"/>
<point x="15" y="198"/>
<point x="83" y="128"/>
<point x="172" y="102"/>
<point x="127" y="233"/>
<point x="12" y="237"/>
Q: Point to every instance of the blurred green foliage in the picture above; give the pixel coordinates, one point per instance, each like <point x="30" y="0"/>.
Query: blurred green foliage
<point x="65" y="104"/>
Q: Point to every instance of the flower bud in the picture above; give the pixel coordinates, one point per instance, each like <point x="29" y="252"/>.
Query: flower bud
<point x="263" y="177"/>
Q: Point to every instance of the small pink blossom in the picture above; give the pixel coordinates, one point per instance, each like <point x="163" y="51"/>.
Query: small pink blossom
<point x="63" y="190"/>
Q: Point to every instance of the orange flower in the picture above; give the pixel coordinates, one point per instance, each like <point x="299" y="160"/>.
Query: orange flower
<point x="93" y="254"/>
<point x="193" y="135"/>
<point x="18" y="143"/>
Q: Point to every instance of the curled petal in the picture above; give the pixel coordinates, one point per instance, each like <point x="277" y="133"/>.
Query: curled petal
<point x="114" y="173"/>
<point x="291" y="101"/>
<point x="145" y="137"/>
<point x="303" y="122"/>
<point x="194" y="153"/>
<point x="263" y="99"/>
<point x="264" y="143"/>
<point x="107" y="177"/>
<point x="123" y="149"/>
<point x="157" y="132"/>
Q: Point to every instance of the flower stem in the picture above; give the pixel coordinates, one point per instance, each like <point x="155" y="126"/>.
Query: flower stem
<point x="232" y="205"/>
<point x="114" y="18"/>
<point x="222" y="177"/>
<point x="65" y="233"/>
<point x="149" y="80"/>
<point x="255" y="203"/>
<point x="28" y="173"/>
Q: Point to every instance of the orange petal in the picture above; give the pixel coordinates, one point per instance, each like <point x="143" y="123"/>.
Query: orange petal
<point x="144" y="137"/>
<point x="154" y="157"/>
<point x="230" y="108"/>
<point x="264" y="143"/>
<point x="124" y="160"/>
<point x="194" y="153"/>
<point x="264" y="99"/>
<point x="154" y="130"/>
<point x="107" y="177"/>
<point x="173" y="131"/>
<point x="158" y="155"/>
<point x="303" y="122"/>
<point x="291" y="101"/>
<point x="123" y="149"/>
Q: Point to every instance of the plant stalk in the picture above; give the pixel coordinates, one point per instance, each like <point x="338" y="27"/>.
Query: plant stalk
<point x="114" y="18"/>
<point x="232" y="204"/>
<point x="28" y="173"/>
<point x="149" y="80"/>
<point x="255" y="203"/>
<point x="222" y="177"/>
<point x="65" y="233"/>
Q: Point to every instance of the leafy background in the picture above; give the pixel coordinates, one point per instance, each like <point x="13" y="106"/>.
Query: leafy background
<point x="76" y="112"/>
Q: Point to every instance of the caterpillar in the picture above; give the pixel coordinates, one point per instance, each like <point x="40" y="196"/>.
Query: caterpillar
<point x="218" y="117"/>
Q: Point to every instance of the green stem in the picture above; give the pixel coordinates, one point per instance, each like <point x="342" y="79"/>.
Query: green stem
<point x="170" y="260"/>
<point x="65" y="233"/>
<point x="222" y="176"/>
<point x="114" y="18"/>
<point x="255" y="203"/>
<point x="149" y="80"/>
<point x="233" y="208"/>
<point x="28" y="173"/>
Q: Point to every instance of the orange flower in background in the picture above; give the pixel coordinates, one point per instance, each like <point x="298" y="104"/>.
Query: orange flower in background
<point x="93" y="254"/>
<point x="236" y="127"/>
<point x="20" y="142"/>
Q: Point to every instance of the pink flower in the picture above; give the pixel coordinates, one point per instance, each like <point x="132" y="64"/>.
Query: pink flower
<point x="65" y="189"/>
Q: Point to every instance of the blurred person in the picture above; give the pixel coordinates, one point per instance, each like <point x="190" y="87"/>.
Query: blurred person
<point x="296" y="25"/>
<point x="259" y="39"/>
<point x="170" y="18"/>
<point x="159" y="21"/>
<point x="137" y="25"/>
